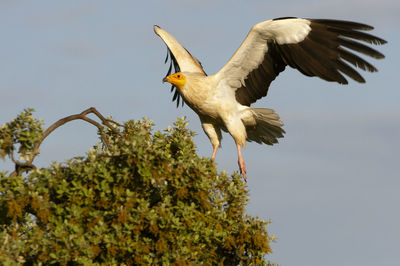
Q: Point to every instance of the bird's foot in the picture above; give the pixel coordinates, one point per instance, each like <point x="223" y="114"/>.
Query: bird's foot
<point x="242" y="167"/>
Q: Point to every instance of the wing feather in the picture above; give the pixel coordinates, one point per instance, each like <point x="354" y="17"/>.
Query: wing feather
<point x="177" y="94"/>
<point x="356" y="60"/>
<point x="359" y="47"/>
<point x="343" y="24"/>
<point x="358" y="35"/>
<point x="316" y="47"/>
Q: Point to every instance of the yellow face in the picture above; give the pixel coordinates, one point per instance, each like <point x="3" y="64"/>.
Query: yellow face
<point x="177" y="79"/>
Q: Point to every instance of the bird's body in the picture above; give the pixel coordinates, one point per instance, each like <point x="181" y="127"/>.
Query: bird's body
<point x="222" y="100"/>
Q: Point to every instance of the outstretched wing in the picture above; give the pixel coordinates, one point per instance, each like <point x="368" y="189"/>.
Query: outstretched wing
<point x="181" y="59"/>
<point x="316" y="47"/>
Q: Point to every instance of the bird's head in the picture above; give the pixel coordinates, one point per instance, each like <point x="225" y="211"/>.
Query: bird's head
<point x="177" y="79"/>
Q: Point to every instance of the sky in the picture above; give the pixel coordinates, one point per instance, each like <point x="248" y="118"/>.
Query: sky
<point x="331" y="186"/>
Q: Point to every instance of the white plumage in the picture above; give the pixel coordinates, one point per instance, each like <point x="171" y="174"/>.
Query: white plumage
<point x="316" y="47"/>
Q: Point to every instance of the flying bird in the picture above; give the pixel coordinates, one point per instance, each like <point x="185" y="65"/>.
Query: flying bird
<point x="316" y="47"/>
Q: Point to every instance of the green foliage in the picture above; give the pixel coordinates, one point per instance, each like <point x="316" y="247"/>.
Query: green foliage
<point x="23" y="131"/>
<point x="145" y="199"/>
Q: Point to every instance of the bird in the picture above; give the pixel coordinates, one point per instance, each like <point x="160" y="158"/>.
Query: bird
<point x="330" y="49"/>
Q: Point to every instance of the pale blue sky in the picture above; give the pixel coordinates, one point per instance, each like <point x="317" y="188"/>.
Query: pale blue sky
<point x="331" y="187"/>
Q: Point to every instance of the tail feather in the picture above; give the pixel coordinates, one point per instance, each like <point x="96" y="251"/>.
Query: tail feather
<point x="268" y="127"/>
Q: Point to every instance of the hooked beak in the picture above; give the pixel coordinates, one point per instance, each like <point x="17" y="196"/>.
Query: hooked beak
<point x="166" y="79"/>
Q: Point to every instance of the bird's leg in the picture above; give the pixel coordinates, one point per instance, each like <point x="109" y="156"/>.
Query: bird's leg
<point x="215" y="149"/>
<point x="213" y="133"/>
<point x="242" y="165"/>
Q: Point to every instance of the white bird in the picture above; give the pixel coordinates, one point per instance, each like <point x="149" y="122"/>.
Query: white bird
<point x="316" y="47"/>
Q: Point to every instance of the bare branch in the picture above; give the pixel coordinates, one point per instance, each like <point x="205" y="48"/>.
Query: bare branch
<point x="28" y="165"/>
<point x="91" y="121"/>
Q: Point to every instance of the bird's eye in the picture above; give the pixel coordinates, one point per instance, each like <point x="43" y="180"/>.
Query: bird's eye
<point x="178" y="76"/>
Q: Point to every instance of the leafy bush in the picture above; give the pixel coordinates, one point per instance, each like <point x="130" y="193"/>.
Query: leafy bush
<point x="137" y="198"/>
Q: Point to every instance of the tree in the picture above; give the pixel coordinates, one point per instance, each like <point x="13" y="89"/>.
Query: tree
<point x="138" y="197"/>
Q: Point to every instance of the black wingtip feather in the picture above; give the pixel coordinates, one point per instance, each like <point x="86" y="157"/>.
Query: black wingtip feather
<point x="343" y="24"/>
<point x="356" y="60"/>
<point x="169" y="70"/>
<point x="173" y="63"/>
<point x="167" y="57"/>
<point x="349" y="71"/>
<point x="362" y="36"/>
<point x="359" y="47"/>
